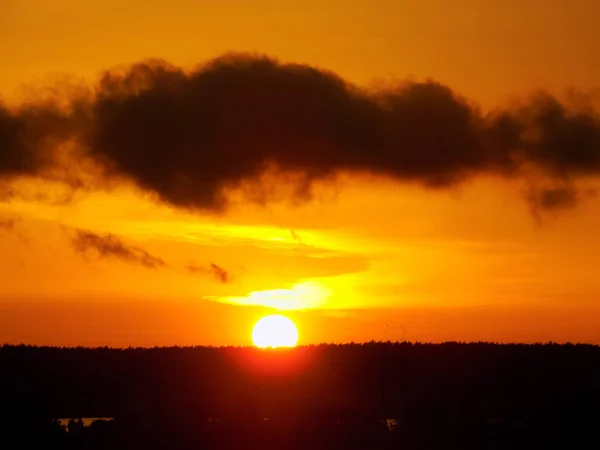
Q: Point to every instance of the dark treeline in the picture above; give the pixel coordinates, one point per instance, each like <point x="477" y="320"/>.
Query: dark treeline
<point x="376" y="395"/>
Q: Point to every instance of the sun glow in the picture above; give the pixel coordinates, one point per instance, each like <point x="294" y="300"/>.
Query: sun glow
<point x="306" y="295"/>
<point x="275" y="331"/>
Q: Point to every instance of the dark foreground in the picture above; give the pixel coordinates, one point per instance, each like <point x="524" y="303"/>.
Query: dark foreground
<point x="372" y="396"/>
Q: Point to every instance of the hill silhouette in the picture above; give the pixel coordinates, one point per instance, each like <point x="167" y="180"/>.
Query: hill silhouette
<point x="374" y="395"/>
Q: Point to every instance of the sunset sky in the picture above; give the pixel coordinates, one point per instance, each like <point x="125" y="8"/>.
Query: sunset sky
<point x="354" y="197"/>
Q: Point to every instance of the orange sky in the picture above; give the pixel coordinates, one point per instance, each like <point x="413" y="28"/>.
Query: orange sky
<point x="366" y="258"/>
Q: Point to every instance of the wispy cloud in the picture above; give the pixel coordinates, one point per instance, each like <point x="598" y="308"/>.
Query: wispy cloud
<point x="111" y="246"/>
<point x="213" y="270"/>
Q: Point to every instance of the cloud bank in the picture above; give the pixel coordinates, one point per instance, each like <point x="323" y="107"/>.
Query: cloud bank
<point x="187" y="136"/>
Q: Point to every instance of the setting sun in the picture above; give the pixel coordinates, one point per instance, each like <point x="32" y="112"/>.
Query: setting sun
<point x="275" y="331"/>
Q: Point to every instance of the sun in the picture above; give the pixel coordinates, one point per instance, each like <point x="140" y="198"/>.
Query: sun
<point x="275" y="331"/>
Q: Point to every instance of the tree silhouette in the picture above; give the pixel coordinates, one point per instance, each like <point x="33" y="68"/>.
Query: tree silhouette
<point x="449" y="395"/>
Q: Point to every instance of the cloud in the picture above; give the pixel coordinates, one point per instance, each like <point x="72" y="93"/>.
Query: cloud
<point x="215" y="271"/>
<point x="219" y="273"/>
<point x="111" y="246"/>
<point x="552" y="199"/>
<point x="187" y="136"/>
<point x="13" y="158"/>
<point x="35" y="135"/>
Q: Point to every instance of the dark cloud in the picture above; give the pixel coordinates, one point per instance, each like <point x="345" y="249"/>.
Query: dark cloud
<point x="111" y="246"/>
<point x="555" y="198"/>
<point x="14" y="157"/>
<point x="186" y="136"/>
<point x="32" y="134"/>
<point x="552" y="199"/>
<point x="218" y="273"/>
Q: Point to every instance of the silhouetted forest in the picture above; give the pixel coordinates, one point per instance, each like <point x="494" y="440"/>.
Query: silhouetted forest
<point x="369" y="396"/>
